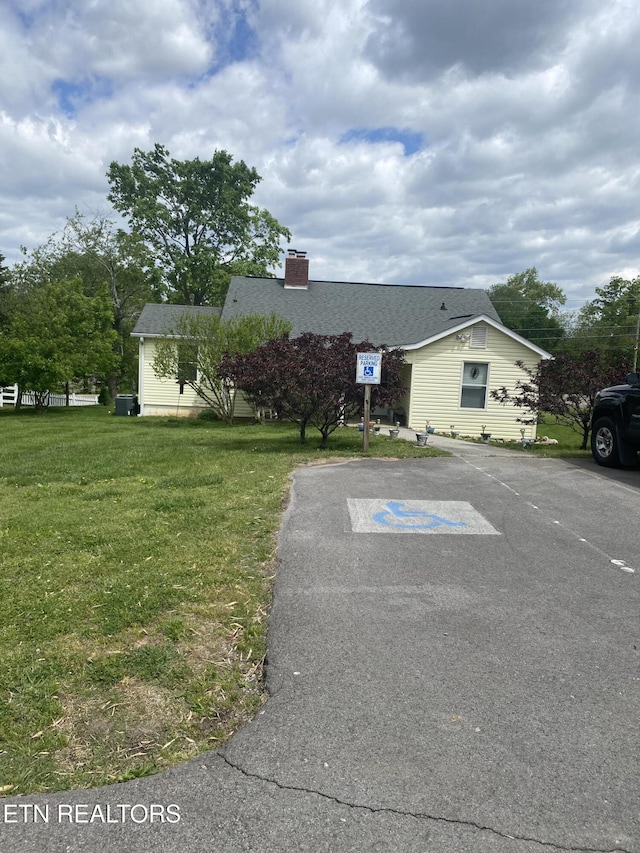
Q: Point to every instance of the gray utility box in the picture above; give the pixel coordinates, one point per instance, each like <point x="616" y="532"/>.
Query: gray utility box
<point x="126" y="404"/>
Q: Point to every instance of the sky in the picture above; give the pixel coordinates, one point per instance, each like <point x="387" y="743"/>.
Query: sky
<point x="434" y="142"/>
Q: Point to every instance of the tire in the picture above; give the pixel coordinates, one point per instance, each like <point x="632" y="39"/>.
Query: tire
<point x="604" y="443"/>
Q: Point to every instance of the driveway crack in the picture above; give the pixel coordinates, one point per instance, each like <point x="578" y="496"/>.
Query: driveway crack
<point x="417" y="815"/>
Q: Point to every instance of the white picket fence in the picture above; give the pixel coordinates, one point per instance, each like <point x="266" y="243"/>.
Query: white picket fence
<point x="9" y="396"/>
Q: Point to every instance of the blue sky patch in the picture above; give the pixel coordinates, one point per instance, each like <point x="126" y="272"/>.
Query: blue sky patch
<point x="243" y="39"/>
<point x="25" y="18"/>
<point x="236" y="40"/>
<point x="68" y="96"/>
<point x="410" y="140"/>
<point x="72" y="96"/>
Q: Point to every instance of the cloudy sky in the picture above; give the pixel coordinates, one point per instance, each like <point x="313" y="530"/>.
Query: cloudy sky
<point x="441" y="142"/>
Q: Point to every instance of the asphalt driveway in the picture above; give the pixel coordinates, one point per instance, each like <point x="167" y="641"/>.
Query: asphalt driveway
<point x="453" y="660"/>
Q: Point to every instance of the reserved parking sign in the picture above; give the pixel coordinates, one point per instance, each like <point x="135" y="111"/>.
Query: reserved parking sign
<point x="369" y="368"/>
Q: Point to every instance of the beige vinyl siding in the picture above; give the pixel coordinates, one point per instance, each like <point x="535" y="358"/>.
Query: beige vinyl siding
<point x="436" y="383"/>
<point x="160" y="396"/>
<point x="242" y="409"/>
<point x="403" y="405"/>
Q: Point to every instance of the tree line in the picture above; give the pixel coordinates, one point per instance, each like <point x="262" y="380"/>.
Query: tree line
<point x="608" y="323"/>
<point x="68" y="308"/>
<point x="592" y="348"/>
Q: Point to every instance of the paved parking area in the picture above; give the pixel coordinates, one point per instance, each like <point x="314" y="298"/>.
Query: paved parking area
<point x="474" y="693"/>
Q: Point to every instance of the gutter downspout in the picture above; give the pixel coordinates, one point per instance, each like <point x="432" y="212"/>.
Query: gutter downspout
<point x="141" y="375"/>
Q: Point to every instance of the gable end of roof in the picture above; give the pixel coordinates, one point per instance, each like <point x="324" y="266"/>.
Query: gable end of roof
<point x="480" y="318"/>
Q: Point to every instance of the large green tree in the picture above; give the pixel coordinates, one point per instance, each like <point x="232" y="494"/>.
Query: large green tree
<point x="197" y="218"/>
<point x="611" y="321"/>
<point x="4" y="272"/>
<point x="5" y="292"/>
<point x="108" y="255"/>
<point x="56" y="335"/>
<point x="531" y="308"/>
<point x="195" y="347"/>
<point x="106" y="260"/>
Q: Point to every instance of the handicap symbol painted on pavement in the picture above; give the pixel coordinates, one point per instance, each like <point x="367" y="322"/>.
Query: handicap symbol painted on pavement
<point x="394" y="515"/>
<point x="422" y="517"/>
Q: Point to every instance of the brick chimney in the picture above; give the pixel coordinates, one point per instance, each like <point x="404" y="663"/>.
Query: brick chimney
<point x="296" y="270"/>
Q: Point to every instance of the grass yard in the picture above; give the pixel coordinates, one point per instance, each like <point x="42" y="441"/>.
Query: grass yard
<point x="568" y="446"/>
<point x="569" y="441"/>
<point x="136" y="561"/>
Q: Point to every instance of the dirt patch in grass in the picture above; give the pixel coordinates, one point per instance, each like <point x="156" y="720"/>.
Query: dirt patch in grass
<point x="134" y="725"/>
<point x="116" y="736"/>
<point x="329" y="460"/>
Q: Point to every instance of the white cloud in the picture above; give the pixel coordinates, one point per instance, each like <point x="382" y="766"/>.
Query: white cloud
<point x="529" y="133"/>
<point x="39" y="160"/>
<point x="422" y="40"/>
<point x="122" y="39"/>
<point x="24" y="79"/>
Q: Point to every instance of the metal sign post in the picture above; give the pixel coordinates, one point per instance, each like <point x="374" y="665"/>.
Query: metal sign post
<point x="368" y="373"/>
<point x="367" y="413"/>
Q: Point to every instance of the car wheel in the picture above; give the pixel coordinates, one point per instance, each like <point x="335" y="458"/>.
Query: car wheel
<point x="604" y="443"/>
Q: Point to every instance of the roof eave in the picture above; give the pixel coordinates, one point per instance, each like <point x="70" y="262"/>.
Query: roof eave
<point x="163" y="335"/>
<point x="470" y="322"/>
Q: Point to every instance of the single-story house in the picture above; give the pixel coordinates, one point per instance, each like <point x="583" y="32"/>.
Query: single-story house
<point x="158" y="395"/>
<point x="456" y="348"/>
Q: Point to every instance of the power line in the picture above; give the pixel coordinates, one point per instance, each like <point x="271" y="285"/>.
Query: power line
<point x="579" y="330"/>
<point x="576" y="338"/>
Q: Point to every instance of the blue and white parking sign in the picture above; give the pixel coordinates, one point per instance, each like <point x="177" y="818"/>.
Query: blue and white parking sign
<point x="369" y="368"/>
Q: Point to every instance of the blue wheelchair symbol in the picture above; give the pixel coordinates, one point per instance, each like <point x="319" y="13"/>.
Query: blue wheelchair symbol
<point x="368" y="370"/>
<point x="396" y="516"/>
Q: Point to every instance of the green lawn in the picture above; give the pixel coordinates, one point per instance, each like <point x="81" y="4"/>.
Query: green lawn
<point x="136" y="561"/>
<point x="568" y="440"/>
<point x="568" y="445"/>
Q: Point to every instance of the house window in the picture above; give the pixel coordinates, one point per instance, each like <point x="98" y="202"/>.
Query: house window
<point x="474" y="385"/>
<point x="187" y="365"/>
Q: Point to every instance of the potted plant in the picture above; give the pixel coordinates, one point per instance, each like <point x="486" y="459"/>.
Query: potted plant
<point x="484" y="435"/>
<point x="526" y="442"/>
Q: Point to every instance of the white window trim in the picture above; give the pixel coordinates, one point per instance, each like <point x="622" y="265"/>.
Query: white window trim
<point x="486" y="386"/>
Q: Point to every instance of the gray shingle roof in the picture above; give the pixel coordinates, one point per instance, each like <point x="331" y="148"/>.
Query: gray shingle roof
<point x="155" y="320"/>
<point x="390" y="314"/>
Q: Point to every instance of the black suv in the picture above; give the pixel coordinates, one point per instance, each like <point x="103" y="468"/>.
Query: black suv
<point x="615" y="424"/>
